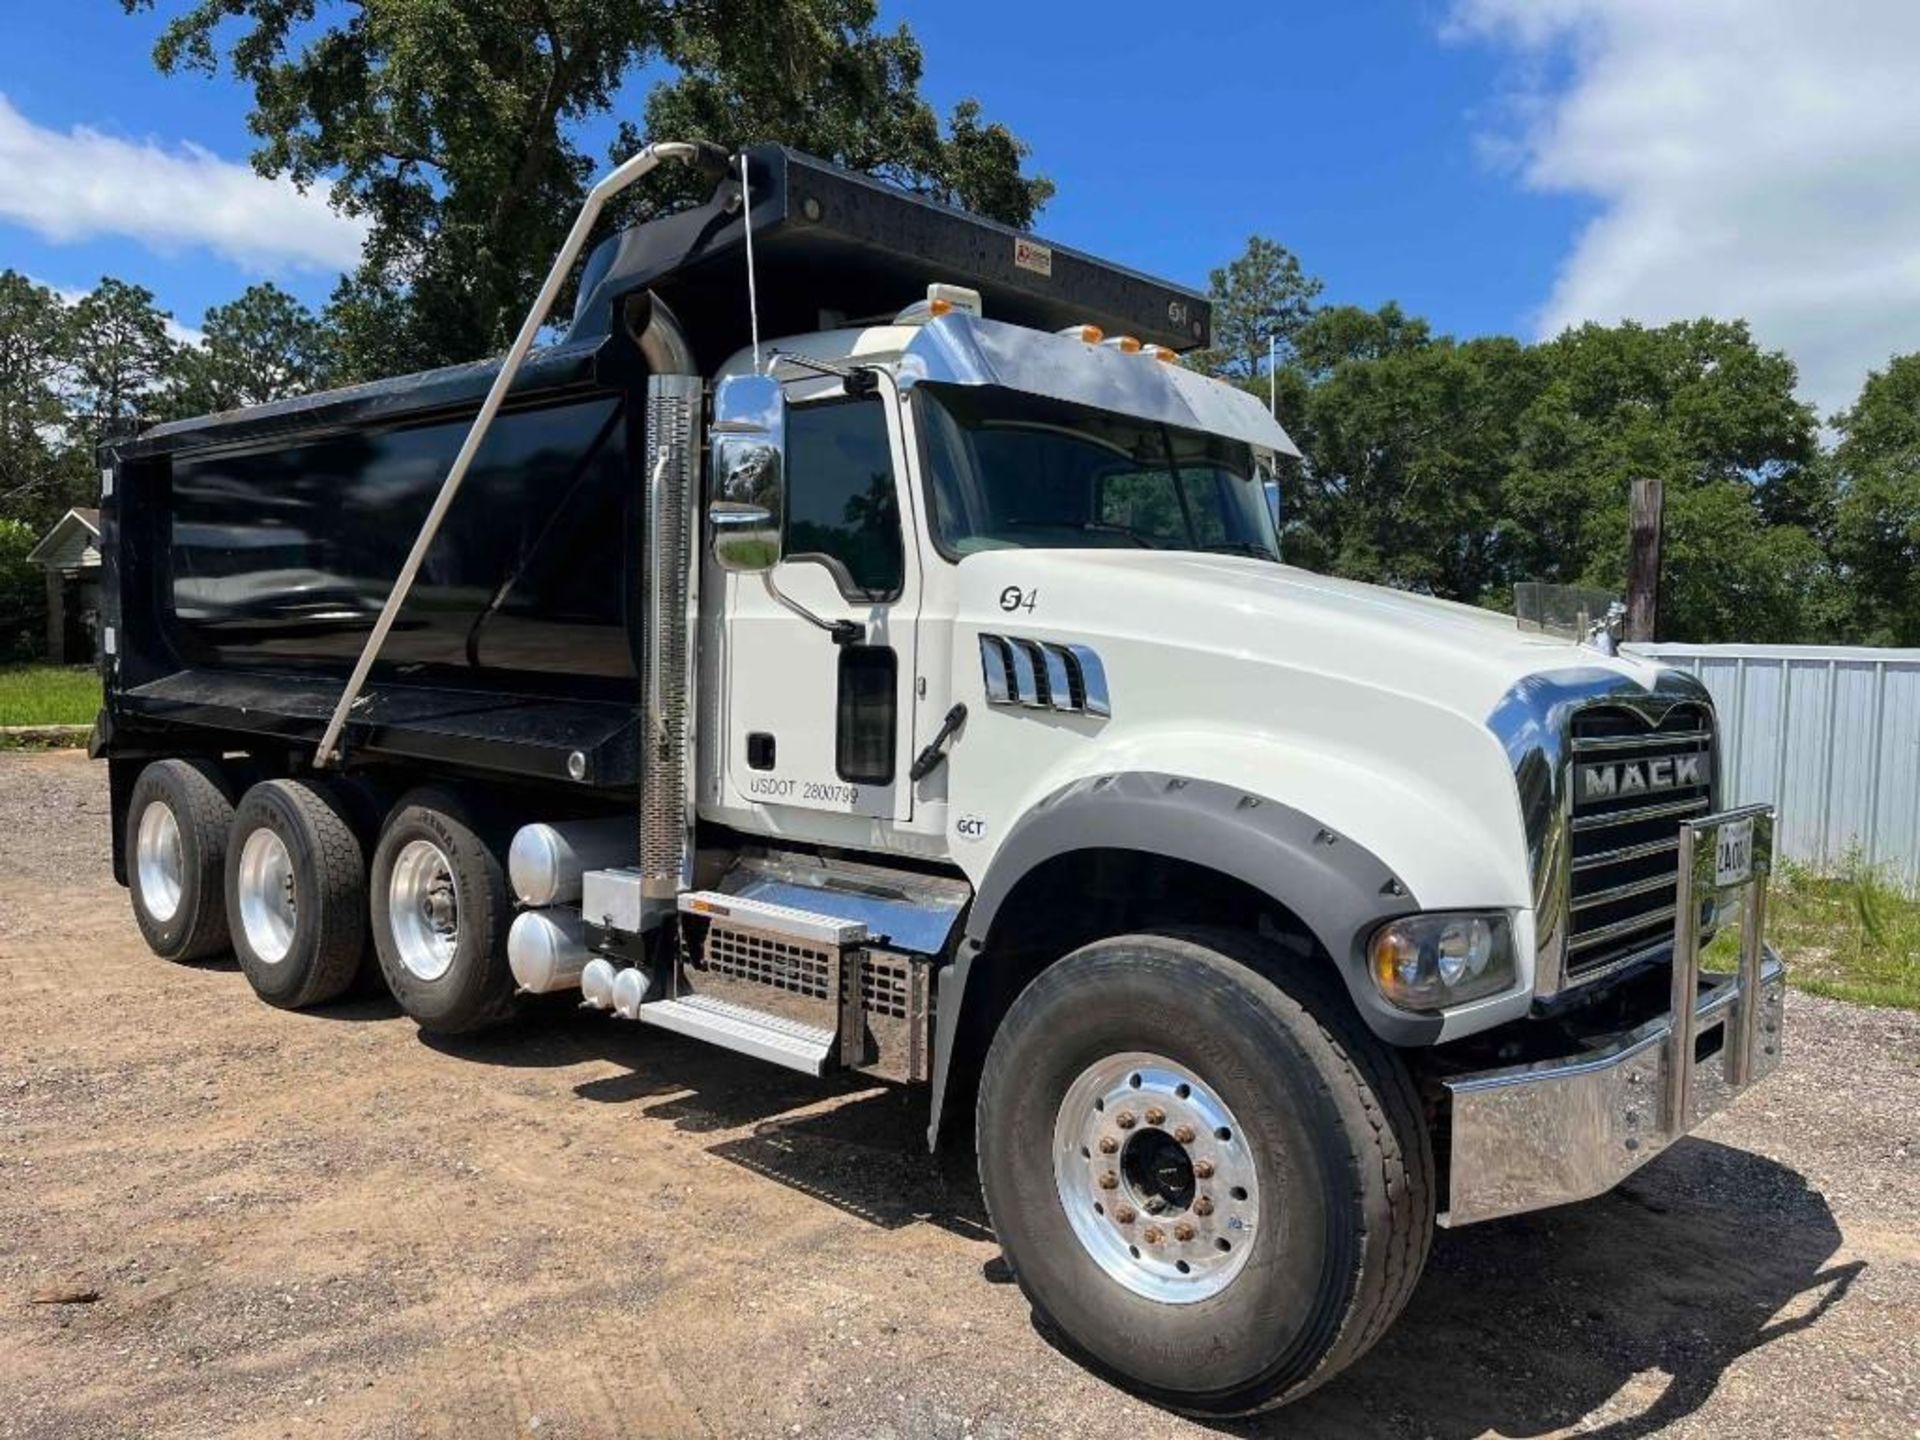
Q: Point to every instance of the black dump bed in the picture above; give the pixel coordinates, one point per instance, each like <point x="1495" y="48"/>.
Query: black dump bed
<point x="247" y="554"/>
<point x="832" y="248"/>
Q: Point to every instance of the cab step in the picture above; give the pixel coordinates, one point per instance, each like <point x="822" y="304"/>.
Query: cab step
<point x="774" y="1038"/>
<point x="808" y="926"/>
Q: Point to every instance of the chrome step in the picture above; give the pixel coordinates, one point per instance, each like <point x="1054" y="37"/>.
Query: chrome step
<point x="797" y="924"/>
<point x="797" y="1046"/>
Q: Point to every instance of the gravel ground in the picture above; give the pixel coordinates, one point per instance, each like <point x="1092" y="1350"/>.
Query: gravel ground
<point x="322" y="1224"/>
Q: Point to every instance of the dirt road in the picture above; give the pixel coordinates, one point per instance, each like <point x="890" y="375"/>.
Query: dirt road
<point x="319" y="1224"/>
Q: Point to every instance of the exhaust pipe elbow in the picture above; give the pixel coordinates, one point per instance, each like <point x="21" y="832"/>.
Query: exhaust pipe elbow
<point x="656" y="331"/>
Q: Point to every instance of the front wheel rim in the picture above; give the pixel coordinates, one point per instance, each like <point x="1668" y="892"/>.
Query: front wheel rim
<point x="268" y="906"/>
<point x="1156" y="1177"/>
<point x="423" y="910"/>
<point x="160" y="861"/>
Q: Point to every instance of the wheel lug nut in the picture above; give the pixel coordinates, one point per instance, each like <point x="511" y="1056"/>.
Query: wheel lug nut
<point x="1183" y="1232"/>
<point x="1109" y="1180"/>
<point x="1125" y="1119"/>
<point x="1203" y="1169"/>
<point x="1108" y="1144"/>
<point x="1124" y="1214"/>
<point x="1156" y="1116"/>
<point x="1203" y="1206"/>
<point x="1152" y="1235"/>
<point x="1184" y="1134"/>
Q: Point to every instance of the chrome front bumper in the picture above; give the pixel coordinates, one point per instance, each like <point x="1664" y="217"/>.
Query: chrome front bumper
<point x="1544" y="1134"/>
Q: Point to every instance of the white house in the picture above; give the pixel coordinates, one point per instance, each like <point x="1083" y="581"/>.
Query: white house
<point x="70" y="555"/>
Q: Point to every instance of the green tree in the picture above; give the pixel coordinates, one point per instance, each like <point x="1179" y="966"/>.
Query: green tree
<point x="264" y="346"/>
<point x="454" y="128"/>
<point x="1262" y="295"/>
<point x="36" y="350"/>
<point x="1700" y="406"/>
<point x="122" y="355"/>
<point x="1339" y="333"/>
<point x="1406" y="453"/>
<point x="1877" y="525"/>
<point x="23" y="595"/>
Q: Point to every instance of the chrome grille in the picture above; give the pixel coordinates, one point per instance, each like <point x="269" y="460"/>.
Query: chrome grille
<point x="1632" y="785"/>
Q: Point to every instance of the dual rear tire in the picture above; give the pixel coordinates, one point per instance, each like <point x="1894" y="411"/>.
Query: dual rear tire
<point x="441" y="909"/>
<point x="288" y="879"/>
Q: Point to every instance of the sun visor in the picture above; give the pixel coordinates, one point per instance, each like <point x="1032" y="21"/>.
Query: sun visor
<point x="959" y="349"/>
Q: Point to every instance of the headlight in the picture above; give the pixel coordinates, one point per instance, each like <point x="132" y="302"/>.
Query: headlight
<point x="1428" y="962"/>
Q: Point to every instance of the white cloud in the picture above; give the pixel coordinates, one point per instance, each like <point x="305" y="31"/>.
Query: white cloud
<point x="1751" y="158"/>
<point x="83" y="183"/>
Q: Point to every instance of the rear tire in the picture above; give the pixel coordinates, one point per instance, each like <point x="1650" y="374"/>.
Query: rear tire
<point x="296" y="888"/>
<point x="1243" y="1265"/>
<point x="441" y="909"/>
<point x="176" y="848"/>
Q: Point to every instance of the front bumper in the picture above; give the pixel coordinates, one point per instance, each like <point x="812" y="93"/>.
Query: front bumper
<point x="1530" y="1136"/>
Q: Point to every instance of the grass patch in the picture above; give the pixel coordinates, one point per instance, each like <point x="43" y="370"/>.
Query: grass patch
<point x="49" y="695"/>
<point x="1853" y="935"/>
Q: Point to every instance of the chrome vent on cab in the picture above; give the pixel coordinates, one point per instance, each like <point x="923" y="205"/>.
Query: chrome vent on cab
<point x="1044" y="675"/>
<point x="1631" y="786"/>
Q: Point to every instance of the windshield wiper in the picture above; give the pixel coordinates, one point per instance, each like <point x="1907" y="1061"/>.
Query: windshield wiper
<point x="1087" y="527"/>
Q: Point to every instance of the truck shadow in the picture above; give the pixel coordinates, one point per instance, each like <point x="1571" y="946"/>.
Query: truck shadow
<point x="1622" y="1313"/>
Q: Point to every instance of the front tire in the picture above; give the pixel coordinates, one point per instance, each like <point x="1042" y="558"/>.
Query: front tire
<point x="296" y="890"/>
<point x="1212" y="1183"/>
<point x="441" y="909"/>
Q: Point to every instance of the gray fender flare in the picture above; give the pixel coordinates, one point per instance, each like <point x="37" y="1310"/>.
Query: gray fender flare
<point x="1339" y="890"/>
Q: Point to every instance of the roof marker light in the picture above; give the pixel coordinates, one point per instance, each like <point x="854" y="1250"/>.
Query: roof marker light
<point x="941" y="300"/>
<point x="1163" y="354"/>
<point x="1125" y="344"/>
<point x="1089" y="334"/>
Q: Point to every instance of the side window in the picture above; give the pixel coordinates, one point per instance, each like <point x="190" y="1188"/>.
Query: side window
<point x="841" y="502"/>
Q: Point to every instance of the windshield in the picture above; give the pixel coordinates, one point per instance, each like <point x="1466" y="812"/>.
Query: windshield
<point x="1014" y="471"/>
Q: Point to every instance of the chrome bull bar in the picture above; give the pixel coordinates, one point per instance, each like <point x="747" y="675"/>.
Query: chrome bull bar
<point x="1553" y="1131"/>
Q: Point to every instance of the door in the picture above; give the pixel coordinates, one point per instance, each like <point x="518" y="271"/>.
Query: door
<point x="814" y="724"/>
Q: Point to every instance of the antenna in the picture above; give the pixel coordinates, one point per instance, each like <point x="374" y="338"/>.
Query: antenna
<point x="753" y="293"/>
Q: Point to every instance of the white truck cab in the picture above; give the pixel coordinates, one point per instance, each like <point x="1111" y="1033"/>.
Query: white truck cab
<point x="1250" y="922"/>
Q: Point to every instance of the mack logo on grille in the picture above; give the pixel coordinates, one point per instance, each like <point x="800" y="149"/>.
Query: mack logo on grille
<point x="1642" y="777"/>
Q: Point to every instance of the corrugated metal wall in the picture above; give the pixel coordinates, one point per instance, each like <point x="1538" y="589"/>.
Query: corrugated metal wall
<point x="1830" y="735"/>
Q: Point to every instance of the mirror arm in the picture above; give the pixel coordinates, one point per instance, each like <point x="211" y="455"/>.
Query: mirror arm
<point x="860" y="380"/>
<point x="844" y="632"/>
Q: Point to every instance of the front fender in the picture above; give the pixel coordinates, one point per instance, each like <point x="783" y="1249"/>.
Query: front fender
<point x="1337" y="887"/>
<point x="1367" y="845"/>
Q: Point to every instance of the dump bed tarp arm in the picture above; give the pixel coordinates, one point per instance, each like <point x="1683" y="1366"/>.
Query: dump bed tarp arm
<point x="609" y="185"/>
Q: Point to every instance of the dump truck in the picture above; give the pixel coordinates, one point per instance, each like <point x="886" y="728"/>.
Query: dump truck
<point x="858" y="641"/>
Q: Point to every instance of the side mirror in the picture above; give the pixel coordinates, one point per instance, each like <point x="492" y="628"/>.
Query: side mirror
<point x="747" y="506"/>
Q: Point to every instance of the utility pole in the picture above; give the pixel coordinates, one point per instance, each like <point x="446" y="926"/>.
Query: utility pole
<point x="1273" y="390"/>
<point x="1643" y="564"/>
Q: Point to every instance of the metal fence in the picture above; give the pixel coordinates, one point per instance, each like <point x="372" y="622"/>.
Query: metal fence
<point x="1828" y="734"/>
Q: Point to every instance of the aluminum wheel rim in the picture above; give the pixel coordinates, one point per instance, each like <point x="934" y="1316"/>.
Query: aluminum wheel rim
<point x="1156" y="1178"/>
<point x="160" y="860"/>
<point x="268" y="912"/>
<point x="423" y="909"/>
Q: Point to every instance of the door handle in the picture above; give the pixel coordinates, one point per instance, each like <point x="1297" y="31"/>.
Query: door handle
<point x="928" y="760"/>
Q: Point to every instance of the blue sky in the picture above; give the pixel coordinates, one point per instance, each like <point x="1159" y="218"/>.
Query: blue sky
<point x="1348" y="134"/>
<point x="1495" y="165"/>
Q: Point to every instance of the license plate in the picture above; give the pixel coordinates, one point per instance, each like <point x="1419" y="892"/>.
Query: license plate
<point x="1733" y="853"/>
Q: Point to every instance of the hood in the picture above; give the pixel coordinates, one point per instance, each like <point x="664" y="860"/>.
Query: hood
<point x="1457" y="656"/>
